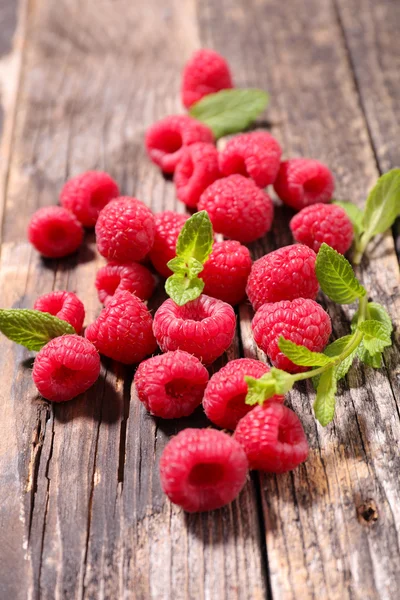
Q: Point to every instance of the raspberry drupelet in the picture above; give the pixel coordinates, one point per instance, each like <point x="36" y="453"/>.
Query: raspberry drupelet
<point x="55" y="232"/>
<point x="206" y="72"/>
<point x="171" y="385"/>
<point x="273" y="438"/>
<point x="166" y="139"/>
<point x="66" y="367"/>
<point x="203" y="327"/>
<point x="224" y="400"/>
<point x="197" y="169"/>
<point x="203" y="469"/>
<point x="115" y="277"/>
<point x="64" y="305"/>
<point x="304" y="181"/>
<point x="168" y="226"/>
<point x="87" y="194"/>
<point x="301" y="321"/>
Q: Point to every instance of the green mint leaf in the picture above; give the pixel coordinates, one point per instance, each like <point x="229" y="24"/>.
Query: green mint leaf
<point x="194" y="267"/>
<point x="300" y="355"/>
<point x="32" y="328"/>
<point x="377" y="312"/>
<point x="230" y="111"/>
<point x="283" y="381"/>
<point x="177" y="265"/>
<point x="196" y="238"/>
<point x="354" y="213"/>
<point x="270" y="384"/>
<point x="383" y="204"/>
<point x="324" y="405"/>
<point x="376" y="337"/>
<point x="336" y="277"/>
<point x="182" y="289"/>
<point x="374" y="361"/>
<point x="338" y="347"/>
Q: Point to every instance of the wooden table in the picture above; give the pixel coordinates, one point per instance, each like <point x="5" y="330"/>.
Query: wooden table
<point x="82" y="514"/>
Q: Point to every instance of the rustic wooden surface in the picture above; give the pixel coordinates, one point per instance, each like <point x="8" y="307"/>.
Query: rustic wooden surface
<point x="81" y="510"/>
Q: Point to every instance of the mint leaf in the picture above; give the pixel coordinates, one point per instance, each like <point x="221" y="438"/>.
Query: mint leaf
<point x="376" y="337"/>
<point x="354" y="213"/>
<point x="324" y="405"/>
<point x="301" y="355"/>
<point x="336" y="277"/>
<point x="177" y="264"/>
<point x="196" y="238"/>
<point x="383" y="204"/>
<point x="272" y="383"/>
<point x="377" y="312"/>
<point x="194" y="267"/>
<point x="230" y="111"/>
<point x="32" y="328"/>
<point x="338" y="347"/>
<point x="182" y="289"/>
<point x="374" y="361"/>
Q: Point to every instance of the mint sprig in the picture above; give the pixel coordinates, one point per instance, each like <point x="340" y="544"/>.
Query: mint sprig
<point x="32" y="328"/>
<point x="193" y="248"/>
<point x="371" y="334"/>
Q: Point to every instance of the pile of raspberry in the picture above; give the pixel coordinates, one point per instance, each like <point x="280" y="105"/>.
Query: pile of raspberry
<point x="200" y="469"/>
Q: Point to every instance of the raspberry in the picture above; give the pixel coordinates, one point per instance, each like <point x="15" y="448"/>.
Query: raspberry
<point x="171" y="385"/>
<point x="166" y="139"/>
<point x="114" y="277"/>
<point x="125" y="230"/>
<point x="123" y="330"/>
<point x="205" y="73"/>
<point x="304" y="181"/>
<point x="226" y="271"/>
<point x="202" y="469"/>
<point x="320" y="223"/>
<point x="55" y="232"/>
<point x="285" y="274"/>
<point x="87" y="194"/>
<point x="238" y="208"/>
<point x="168" y="225"/>
<point x="65" y="306"/>
<point x="66" y="367"/>
<point x="256" y="155"/>
<point x="225" y="395"/>
<point x="301" y="321"/>
<point x="273" y="438"/>
<point x="203" y="327"/>
<point x="197" y="169"/>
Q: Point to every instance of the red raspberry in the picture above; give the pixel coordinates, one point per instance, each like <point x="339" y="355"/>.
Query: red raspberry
<point x="238" y="208"/>
<point x="225" y="395"/>
<point x="166" y="139"/>
<point x="65" y="306"/>
<point x="304" y="181"/>
<point x="320" y="223"/>
<point x="171" y="385"/>
<point x="168" y="226"/>
<point x="114" y="277"/>
<point x="66" y="367"/>
<point x="55" y="232"/>
<point x="203" y="327"/>
<point x="123" y="330"/>
<point x="226" y="271"/>
<point x="125" y="230"/>
<point x="197" y="169"/>
<point x="285" y="274"/>
<point x="273" y="438"/>
<point x="87" y="194"/>
<point x="301" y="321"/>
<point x="202" y="469"/>
<point x="256" y="155"/>
<point x="205" y="73"/>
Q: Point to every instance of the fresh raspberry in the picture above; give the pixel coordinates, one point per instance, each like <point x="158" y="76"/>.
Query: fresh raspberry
<point x="273" y="438"/>
<point x="166" y="139"/>
<point x="320" y="223"/>
<point x="65" y="306"/>
<point x="197" y="169"/>
<point x="304" y="181"/>
<point x="66" y="367"/>
<point x="171" y="385"/>
<point x="123" y="330"/>
<point x="114" y="277"/>
<point x="224" y="400"/>
<point x="301" y="321"/>
<point x="55" y="232"/>
<point x="285" y="274"/>
<point x="256" y="155"/>
<point x="238" y="208"/>
<point x="203" y="327"/>
<point x="226" y="271"/>
<point x="206" y="72"/>
<point x="202" y="469"/>
<point x="125" y="230"/>
<point x="168" y="226"/>
<point x="87" y="194"/>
